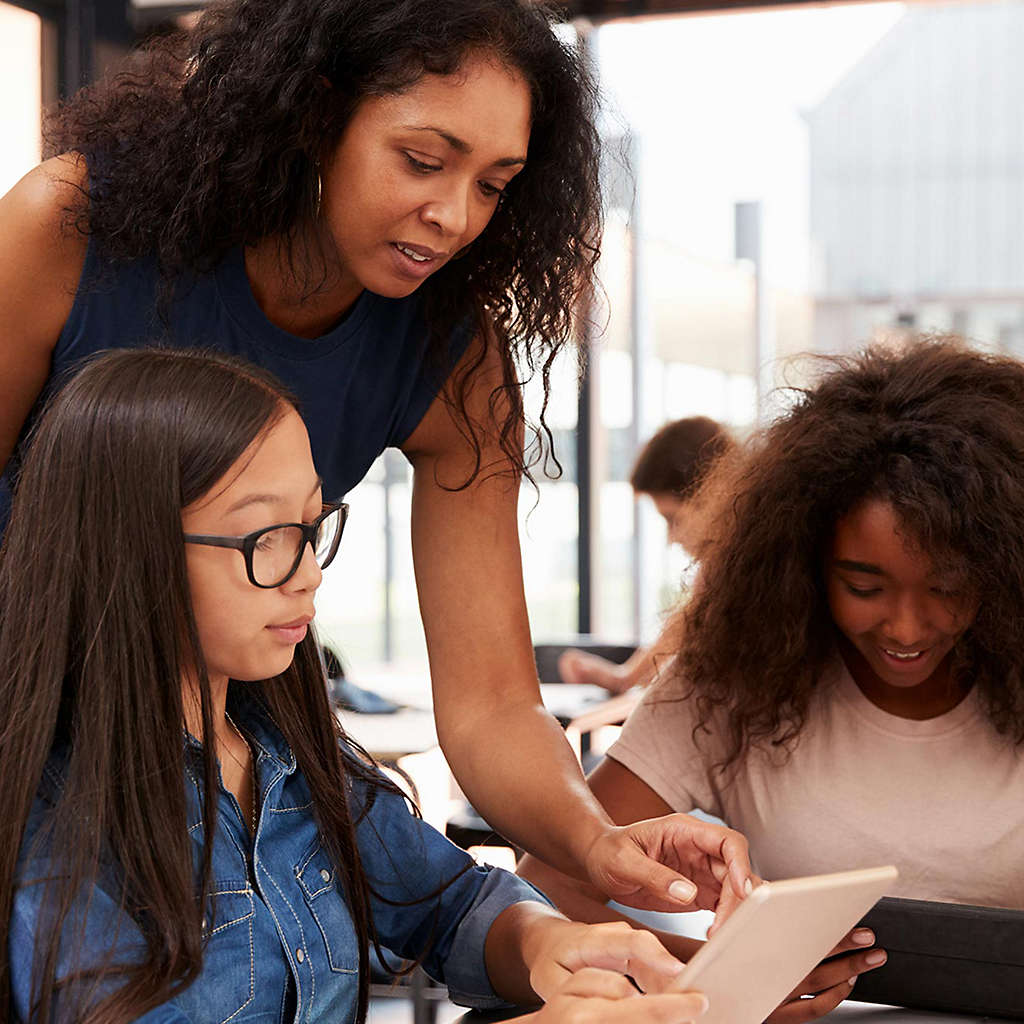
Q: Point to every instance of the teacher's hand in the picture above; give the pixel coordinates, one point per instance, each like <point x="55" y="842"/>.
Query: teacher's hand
<point x="672" y="863"/>
<point x="594" y="996"/>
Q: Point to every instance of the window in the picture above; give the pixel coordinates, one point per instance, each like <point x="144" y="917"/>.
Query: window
<point x="20" y="93"/>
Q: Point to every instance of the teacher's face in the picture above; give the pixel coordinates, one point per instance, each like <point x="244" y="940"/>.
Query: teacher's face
<point x="417" y="175"/>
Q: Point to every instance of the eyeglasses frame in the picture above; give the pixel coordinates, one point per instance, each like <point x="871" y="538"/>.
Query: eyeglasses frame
<point x="247" y="544"/>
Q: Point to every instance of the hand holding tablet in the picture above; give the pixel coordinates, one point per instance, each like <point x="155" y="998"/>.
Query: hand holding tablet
<point x="775" y="938"/>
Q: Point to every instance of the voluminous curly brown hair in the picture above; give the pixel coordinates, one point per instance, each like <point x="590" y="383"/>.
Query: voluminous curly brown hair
<point x="935" y="429"/>
<point x="213" y="140"/>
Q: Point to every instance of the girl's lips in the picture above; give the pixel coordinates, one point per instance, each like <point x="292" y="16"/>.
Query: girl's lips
<point x="292" y="632"/>
<point x="892" y="657"/>
<point x="289" y="634"/>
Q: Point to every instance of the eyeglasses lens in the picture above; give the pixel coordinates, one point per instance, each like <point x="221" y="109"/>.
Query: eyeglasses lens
<point x="327" y="537"/>
<point x="277" y="551"/>
<point x="275" y="554"/>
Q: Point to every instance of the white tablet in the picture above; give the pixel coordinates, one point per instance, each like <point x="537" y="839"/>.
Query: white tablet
<point x="773" y="940"/>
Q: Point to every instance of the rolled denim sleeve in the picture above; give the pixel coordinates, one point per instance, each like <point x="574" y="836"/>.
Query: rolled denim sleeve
<point x="430" y="900"/>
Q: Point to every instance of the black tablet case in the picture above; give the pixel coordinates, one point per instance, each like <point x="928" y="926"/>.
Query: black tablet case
<point x="945" y="956"/>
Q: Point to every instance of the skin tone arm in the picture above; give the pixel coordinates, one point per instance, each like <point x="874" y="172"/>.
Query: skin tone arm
<point x="40" y="264"/>
<point x="509" y="755"/>
<point x="625" y="797"/>
<point x="638" y="670"/>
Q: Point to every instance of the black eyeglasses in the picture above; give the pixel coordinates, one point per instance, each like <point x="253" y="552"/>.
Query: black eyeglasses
<point x="272" y="555"/>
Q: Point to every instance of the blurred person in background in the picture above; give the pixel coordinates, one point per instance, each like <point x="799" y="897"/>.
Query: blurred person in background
<point x="668" y="470"/>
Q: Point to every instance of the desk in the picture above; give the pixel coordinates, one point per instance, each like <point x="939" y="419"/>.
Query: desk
<point x="411" y="729"/>
<point x="846" y="1013"/>
<point x="408" y="737"/>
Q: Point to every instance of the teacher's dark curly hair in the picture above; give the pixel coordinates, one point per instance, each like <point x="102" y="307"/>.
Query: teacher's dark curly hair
<point x="212" y="140"/>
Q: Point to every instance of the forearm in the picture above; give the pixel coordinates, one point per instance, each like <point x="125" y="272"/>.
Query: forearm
<point x="580" y="901"/>
<point x="639" y="669"/>
<point x="509" y="755"/>
<point x="527" y="783"/>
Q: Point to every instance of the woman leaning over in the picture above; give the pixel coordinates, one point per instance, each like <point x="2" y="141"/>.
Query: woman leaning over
<point x="392" y="205"/>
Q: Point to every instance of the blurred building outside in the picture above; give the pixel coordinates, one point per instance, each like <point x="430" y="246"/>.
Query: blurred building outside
<point x="918" y="222"/>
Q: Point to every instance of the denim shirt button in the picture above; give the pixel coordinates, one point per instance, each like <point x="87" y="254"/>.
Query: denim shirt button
<point x="299" y="955"/>
<point x="325" y="875"/>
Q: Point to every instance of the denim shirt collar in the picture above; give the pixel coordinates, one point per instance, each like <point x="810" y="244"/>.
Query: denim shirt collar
<point x="249" y="713"/>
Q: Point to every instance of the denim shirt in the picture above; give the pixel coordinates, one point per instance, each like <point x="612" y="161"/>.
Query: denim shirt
<point x="280" y="942"/>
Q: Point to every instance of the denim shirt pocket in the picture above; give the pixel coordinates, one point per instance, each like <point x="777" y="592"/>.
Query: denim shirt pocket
<point x="227" y="984"/>
<point x="316" y="878"/>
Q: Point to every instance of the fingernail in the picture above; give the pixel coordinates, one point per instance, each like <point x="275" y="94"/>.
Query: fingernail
<point x="851" y="981"/>
<point x="748" y="887"/>
<point x="875" y="957"/>
<point x="863" y="936"/>
<point x="683" y="891"/>
<point x="702" y="1006"/>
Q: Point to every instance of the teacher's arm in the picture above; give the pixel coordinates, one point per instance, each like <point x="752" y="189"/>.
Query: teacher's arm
<point x="41" y="259"/>
<point x="510" y="756"/>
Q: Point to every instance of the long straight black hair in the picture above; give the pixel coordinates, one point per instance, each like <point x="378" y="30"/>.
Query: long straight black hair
<point x="96" y="628"/>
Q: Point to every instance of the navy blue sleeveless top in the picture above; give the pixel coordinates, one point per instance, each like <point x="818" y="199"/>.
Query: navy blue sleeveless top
<point x="362" y="387"/>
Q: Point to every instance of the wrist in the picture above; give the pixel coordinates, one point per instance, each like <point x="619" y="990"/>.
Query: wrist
<point x="585" y="833"/>
<point x="538" y="925"/>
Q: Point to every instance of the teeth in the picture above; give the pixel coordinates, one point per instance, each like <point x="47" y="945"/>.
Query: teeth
<point x="413" y="255"/>
<point x="902" y="656"/>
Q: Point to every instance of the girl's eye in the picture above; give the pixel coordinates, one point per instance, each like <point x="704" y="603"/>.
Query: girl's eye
<point x="419" y="166"/>
<point x="862" y="591"/>
<point x="492" y="191"/>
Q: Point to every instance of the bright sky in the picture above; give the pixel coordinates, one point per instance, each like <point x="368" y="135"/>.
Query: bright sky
<point x="716" y="102"/>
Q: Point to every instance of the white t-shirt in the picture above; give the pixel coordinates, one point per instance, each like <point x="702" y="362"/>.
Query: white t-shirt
<point x="943" y="799"/>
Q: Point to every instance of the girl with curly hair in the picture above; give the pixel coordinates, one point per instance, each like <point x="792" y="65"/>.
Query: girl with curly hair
<point x="188" y="836"/>
<point x="848" y="689"/>
<point x="393" y="206"/>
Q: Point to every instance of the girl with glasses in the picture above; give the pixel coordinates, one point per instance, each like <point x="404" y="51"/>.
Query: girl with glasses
<point x="187" y="835"/>
<point x="393" y="206"/>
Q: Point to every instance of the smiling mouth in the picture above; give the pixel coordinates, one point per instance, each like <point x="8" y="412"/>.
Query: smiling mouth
<point x="904" y="655"/>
